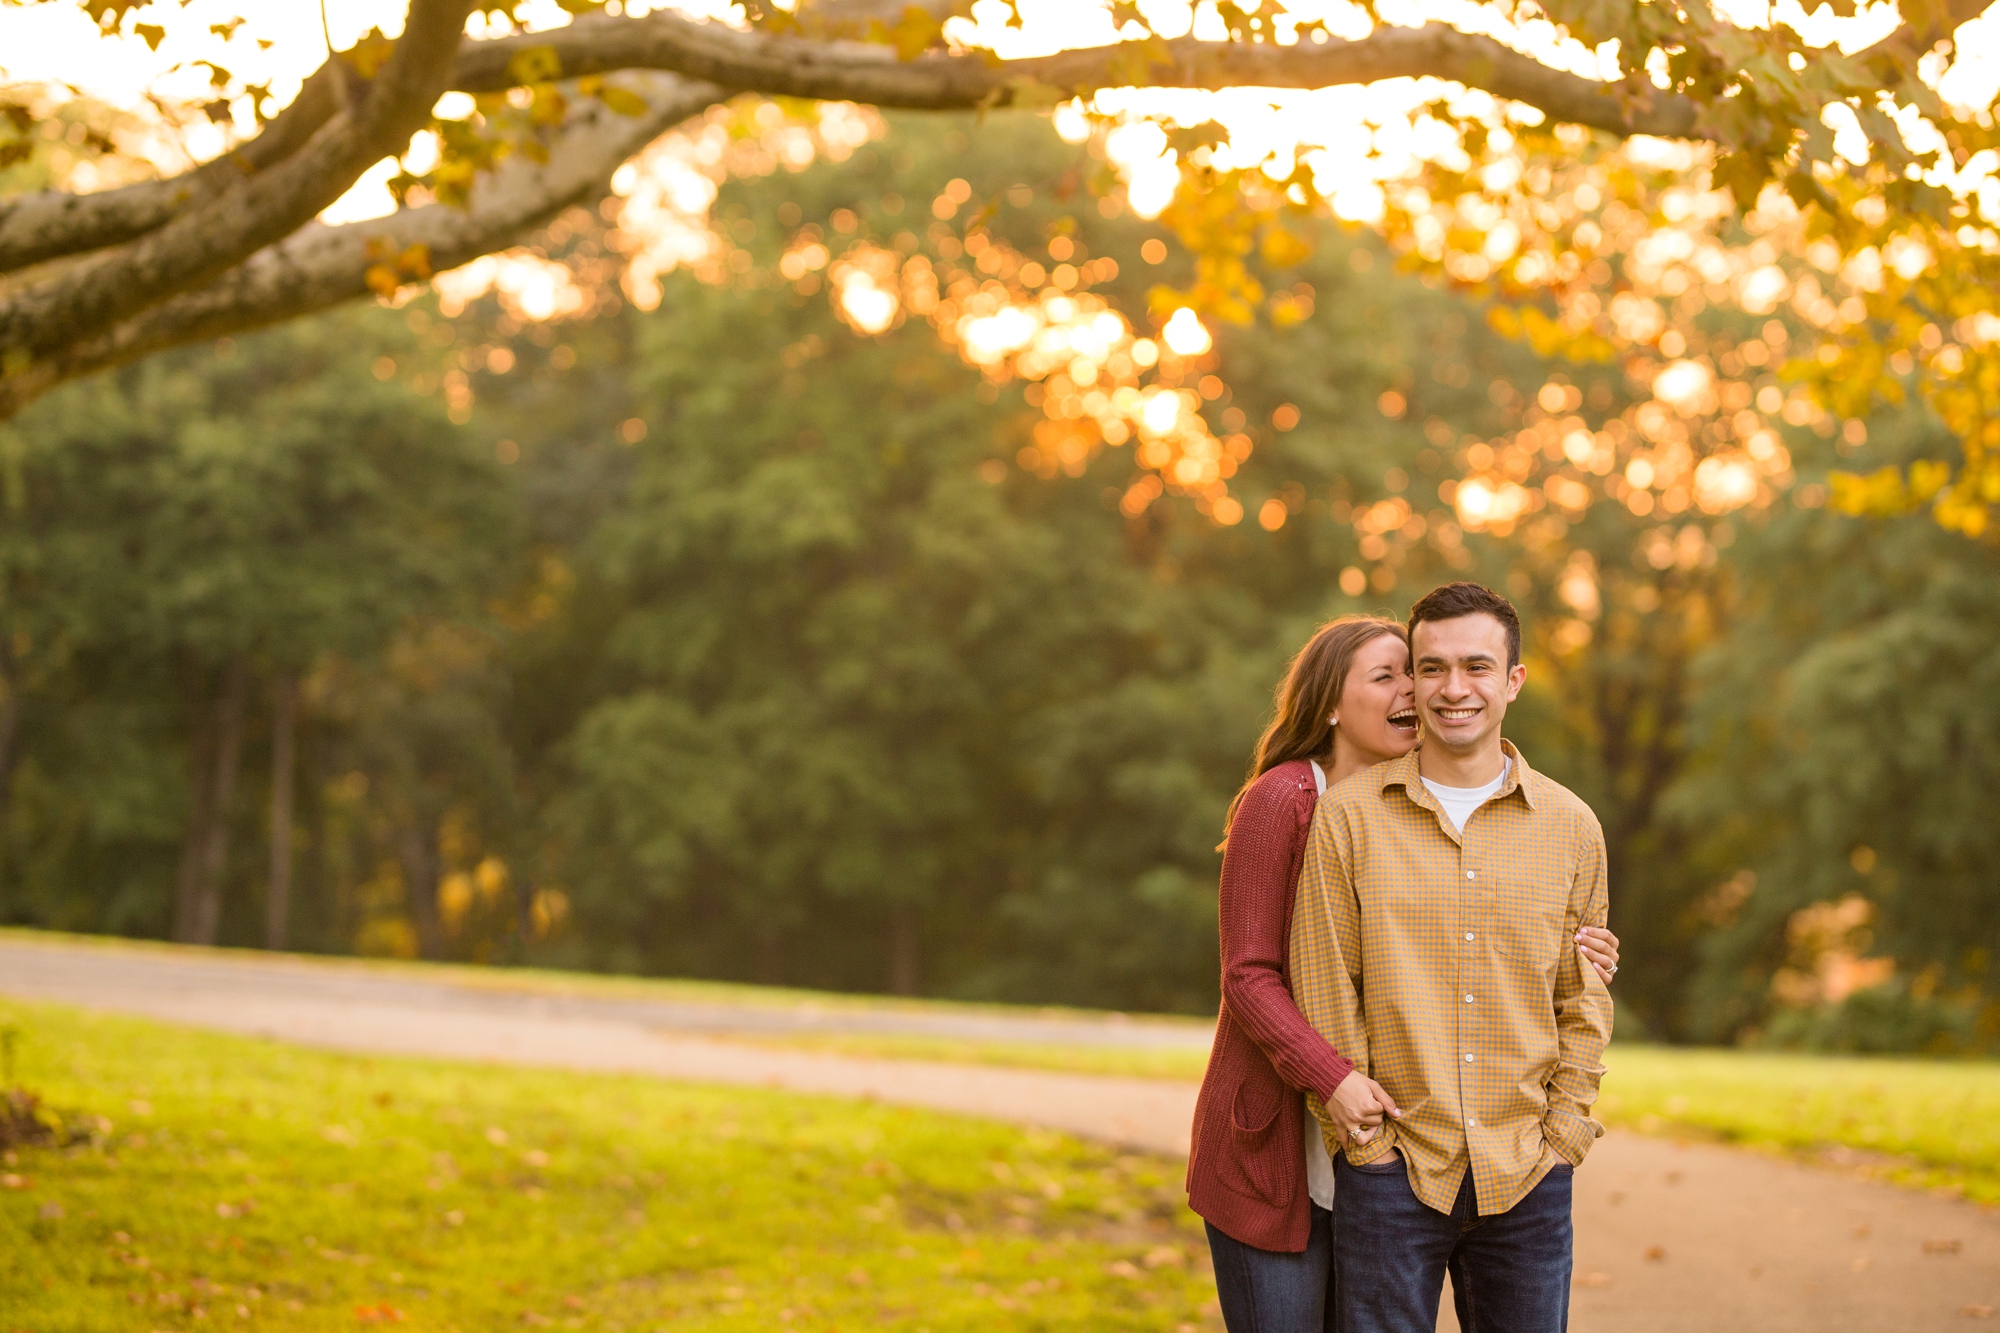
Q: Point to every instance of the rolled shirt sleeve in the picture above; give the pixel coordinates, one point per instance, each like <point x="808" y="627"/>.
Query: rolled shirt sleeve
<point x="1583" y="1011"/>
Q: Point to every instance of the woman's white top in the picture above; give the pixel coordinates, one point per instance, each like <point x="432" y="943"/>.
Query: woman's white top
<point x="1319" y="1165"/>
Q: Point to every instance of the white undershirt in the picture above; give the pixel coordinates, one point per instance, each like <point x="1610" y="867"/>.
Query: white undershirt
<point x="1458" y="803"/>
<point x="1319" y="1165"/>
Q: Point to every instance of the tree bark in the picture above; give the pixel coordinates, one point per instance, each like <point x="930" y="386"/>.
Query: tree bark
<point x="417" y="849"/>
<point x="199" y="246"/>
<point x="218" y="753"/>
<point x="10" y="723"/>
<point x="284" y="765"/>
<point x="322" y="266"/>
<point x="903" y="950"/>
<point x="770" y="955"/>
<point x="869" y="72"/>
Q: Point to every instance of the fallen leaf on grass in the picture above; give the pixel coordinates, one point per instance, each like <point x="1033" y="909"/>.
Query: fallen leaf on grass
<point x="50" y="1211"/>
<point x="10" y="1181"/>
<point x="384" y="1313"/>
<point x="1941" y="1247"/>
<point x="1656" y="1252"/>
<point x="1121" y="1268"/>
<point x="1163" y="1256"/>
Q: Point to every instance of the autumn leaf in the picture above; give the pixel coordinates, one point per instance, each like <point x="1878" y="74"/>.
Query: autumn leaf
<point x="153" y="34"/>
<point x="913" y="34"/>
<point x="1283" y="249"/>
<point x="367" y="56"/>
<point x="535" y="64"/>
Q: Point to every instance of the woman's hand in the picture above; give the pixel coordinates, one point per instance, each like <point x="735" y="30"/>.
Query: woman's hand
<point x="1600" y="950"/>
<point x="1358" y="1106"/>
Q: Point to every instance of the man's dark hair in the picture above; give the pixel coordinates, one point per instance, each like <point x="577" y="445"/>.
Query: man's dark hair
<point x="1469" y="599"/>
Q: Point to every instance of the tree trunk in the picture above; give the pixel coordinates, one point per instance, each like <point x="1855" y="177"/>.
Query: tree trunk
<point x="770" y="955"/>
<point x="902" y="950"/>
<point x="524" y="913"/>
<point x="10" y="722"/>
<point x="284" y="764"/>
<point x="218" y="753"/>
<point x="418" y="851"/>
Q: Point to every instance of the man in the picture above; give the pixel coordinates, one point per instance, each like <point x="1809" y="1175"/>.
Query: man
<point x="1434" y="944"/>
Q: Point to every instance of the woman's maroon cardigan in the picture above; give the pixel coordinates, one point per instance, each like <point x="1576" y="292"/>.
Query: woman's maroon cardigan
<point x="1246" y="1162"/>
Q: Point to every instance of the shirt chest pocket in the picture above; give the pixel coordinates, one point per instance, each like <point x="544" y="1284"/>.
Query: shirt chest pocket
<point x="1526" y="916"/>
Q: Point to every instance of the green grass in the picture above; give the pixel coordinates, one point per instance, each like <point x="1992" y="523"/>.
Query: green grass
<point x="1928" y="1123"/>
<point x="245" y="1184"/>
<point x="1181" y="1064"/>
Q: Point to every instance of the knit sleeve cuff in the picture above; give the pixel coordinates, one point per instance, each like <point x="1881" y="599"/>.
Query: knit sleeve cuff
<point x="1329" y="1073"/>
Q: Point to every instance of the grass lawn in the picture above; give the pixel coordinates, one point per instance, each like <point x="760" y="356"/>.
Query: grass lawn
<point x="1919" y="1122"/>
<point x="1183" y="1064"/>
<point x="234" y="1183"/>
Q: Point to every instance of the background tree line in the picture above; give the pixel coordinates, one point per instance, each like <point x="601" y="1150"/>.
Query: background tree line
<point x="722" y="640"/>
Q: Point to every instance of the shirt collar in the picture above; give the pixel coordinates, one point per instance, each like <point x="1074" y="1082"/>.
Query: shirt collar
<point x="1403" y="773"/>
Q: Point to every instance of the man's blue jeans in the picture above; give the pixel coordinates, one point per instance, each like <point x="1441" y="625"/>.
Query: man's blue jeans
<point x="1269" y="1291"/>
<point x="1510" y="1273"/>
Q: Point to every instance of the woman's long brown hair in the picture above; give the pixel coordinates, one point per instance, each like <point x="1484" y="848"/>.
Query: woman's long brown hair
<point x="1310" y="695"/>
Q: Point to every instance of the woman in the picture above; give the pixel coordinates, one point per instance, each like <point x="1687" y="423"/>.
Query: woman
<point x="1258" y="1170"/>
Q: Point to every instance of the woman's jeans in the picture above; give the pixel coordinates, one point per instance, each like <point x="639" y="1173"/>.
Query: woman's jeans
<point x="1270" y="1291"/>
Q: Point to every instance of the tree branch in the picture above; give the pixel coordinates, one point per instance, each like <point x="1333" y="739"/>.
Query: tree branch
<point x="323" y="266"/>
<point x="50" y="224"/>
<point x="200" y="245"/>
<point x="860" y="72"/>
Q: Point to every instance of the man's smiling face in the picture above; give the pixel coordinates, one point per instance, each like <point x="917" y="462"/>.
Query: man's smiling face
<point x="1463" y="681"/>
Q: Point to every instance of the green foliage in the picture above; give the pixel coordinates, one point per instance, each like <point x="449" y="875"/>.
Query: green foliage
<point x="287" y="1189"/>
<point x="263" y="508"/>
<point x="768" y="648"/>
<point x="1846" y="734"/>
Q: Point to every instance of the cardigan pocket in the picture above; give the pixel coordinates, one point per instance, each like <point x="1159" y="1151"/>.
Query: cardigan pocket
<point x="1256" y="1164"/>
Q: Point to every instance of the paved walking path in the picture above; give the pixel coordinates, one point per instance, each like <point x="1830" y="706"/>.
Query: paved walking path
<point x="1670" y="1236"/>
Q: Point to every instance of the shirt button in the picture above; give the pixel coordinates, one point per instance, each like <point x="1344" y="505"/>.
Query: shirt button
<point x="1472" y="874"/>
<point x="1471" y="1123"/>
<point x="1468" y="999"/>
<point x="1468" y="934"/>
<point x="1468" y="1057"/>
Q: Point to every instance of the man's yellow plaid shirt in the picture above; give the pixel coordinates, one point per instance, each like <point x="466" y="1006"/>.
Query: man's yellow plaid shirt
<point x="1445" y="966"/>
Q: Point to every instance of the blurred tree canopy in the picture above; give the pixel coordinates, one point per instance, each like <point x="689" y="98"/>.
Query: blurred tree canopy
<point x="739" y="638"/>
<point x="1843" y="159"/>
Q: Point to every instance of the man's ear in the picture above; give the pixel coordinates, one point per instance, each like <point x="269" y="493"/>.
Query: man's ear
<point x="1517" y="676"/>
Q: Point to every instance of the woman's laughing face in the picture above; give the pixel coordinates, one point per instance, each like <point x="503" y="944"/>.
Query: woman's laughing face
<point x="1378" y="711"/>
